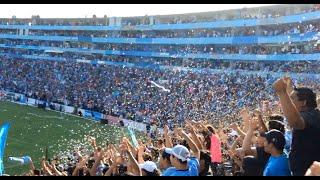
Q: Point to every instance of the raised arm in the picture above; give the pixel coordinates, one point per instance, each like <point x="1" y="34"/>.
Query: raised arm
<point x="111" y="169"/>
<point x="262" y="125"/>
<point x="289" y="109"/>
<point x="266" y="108"/>
<point x="195" y="138"/>
<point x="130" y="146"/>
<point x="98" y="157"/>
<point x="140" y="154"/>
<point x="134" y="164"/>
<point x="45" y="168"/>
<point x="116" y="160"/>
<point x="191" y="144"/>
<point x="246" y="144"/>
<point x="314" y="169"/>
<point x="244" y="113"/>
<point x="79" y="165"/>
<point x="32" y="167"/>
<point x="93" y="143"/>
<point x="236" y="128"/>
<point x="233" y="147"/>
<point x="167" y="137"/>
<point x="56" y="171"/>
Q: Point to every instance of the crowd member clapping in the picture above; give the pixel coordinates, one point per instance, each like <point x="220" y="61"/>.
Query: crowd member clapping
<point x="299" y="107"/>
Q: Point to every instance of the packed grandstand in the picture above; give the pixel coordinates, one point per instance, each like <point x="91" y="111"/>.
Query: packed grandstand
<point x="205" y="94"/>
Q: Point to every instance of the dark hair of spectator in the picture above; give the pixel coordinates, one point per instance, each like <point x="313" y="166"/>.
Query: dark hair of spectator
<point x="165" y="156"/>
<point x="251" y="166"/>
<point x="278" y="125"/>
<point x="276" y="117"/>
<point x="206" y="157"/>
<point x="306" y="94"/>
<point x="211" y="129"/>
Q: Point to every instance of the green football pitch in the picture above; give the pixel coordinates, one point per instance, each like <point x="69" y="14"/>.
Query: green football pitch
<point x="34" y="130"/>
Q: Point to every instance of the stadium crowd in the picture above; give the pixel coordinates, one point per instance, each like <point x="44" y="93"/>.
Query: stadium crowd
<point x="130" y="89"/>
<point x="288" y="48"/>
<point x="217" y="98"/>
<point x="301" y="66"/>
<point x="257" y="145"/>
<point x="214" y="124"/>
<point x="131" y="93"/>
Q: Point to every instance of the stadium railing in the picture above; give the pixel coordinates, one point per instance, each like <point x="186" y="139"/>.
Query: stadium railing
<point x="235" y="40"/>
<point x="253" y="57"/>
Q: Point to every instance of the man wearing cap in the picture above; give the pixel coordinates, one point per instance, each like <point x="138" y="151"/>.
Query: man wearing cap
<point x="183" y="164"/>
<point x="149" y="168"/>
<point x="277" y="122"/>
<point x="300" y="109"/>
<point x="278" y="163"/>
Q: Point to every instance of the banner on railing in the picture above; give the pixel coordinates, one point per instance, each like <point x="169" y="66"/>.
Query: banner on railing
<point x="97" y="116"/>
<point x="31" y="102"/>
<point x="69" y="109"/>
<point x="87" y="113"/>
<point x="113" y="120"/>
<point x="135" y="125"/>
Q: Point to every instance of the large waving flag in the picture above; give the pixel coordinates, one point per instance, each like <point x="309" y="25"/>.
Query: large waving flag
<point x="3" y="137"/>
<point x="161" y="87"/>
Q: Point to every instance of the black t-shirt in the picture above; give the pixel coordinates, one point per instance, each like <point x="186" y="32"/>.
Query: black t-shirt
<point x="305" y="147"/>
<point x="262" y="157"/>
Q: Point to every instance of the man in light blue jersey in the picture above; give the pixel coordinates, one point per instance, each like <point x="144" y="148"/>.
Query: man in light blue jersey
<point x="181" y="160"/>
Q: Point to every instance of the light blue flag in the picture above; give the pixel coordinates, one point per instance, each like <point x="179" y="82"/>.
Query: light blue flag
<point x="133" y="137"/>
<point x="3" y="137"/>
